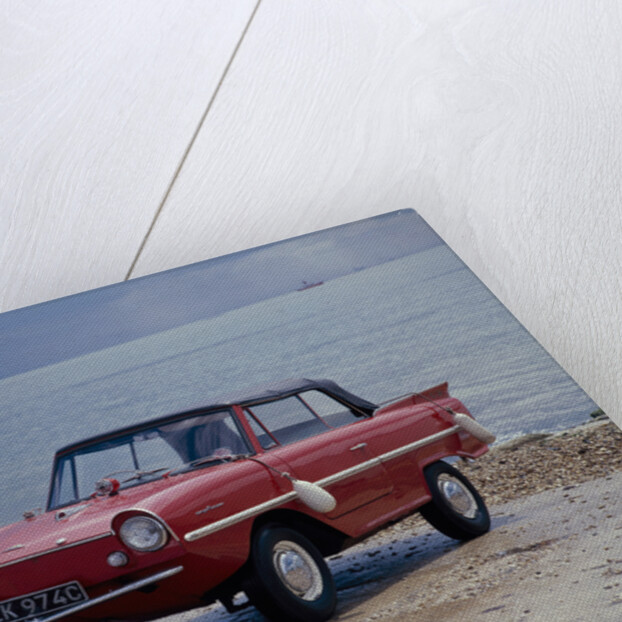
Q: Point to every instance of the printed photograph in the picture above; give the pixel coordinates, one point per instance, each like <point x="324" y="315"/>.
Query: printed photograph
<point x="342" y="425"/>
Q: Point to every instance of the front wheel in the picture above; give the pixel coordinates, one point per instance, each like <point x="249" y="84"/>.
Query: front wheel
<point x="289" y="577"/>
<point x="456" y="508"/>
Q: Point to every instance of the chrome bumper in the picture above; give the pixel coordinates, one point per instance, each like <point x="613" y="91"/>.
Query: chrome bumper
<point x="114" y="594"/>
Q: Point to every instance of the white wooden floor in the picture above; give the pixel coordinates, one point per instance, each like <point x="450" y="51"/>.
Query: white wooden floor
<point x="140" y="136"/>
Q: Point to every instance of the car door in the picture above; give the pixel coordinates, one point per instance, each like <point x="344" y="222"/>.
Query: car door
<point x="333" y="452"/>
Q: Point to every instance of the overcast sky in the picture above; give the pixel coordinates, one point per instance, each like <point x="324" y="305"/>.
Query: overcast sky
<point x="60" y="329"/>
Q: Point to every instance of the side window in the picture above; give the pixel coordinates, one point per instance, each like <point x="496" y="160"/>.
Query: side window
<point x="333" y="412"/>
<point x="288" y="420"/>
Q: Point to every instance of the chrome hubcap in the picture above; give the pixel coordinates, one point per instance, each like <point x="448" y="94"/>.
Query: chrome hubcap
<point x="457" y="495"/>
<point x="297" y="569"/>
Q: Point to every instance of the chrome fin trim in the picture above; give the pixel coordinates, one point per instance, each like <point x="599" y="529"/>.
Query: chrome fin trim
<point x="130" y="587"/>
<point x="211" y="528"/>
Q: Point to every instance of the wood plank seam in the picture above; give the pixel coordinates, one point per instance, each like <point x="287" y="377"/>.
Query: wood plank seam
<point x="191" y="143"/>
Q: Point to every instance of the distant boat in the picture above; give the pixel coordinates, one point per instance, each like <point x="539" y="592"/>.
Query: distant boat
<point x="306" y="285"/>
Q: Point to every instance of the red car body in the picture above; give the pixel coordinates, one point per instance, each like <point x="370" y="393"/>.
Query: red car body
<point x="211" y="510"/>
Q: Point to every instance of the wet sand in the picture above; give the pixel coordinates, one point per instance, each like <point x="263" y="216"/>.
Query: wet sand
<point x="555" y="555"/>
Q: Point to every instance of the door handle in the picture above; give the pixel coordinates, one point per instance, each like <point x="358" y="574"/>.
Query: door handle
<point x="359" y="446"/>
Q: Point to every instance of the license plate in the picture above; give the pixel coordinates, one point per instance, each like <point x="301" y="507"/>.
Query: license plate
<point x="39" y="603"/>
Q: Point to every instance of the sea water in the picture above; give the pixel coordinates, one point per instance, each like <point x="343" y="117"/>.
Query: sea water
<point x="398" y="327"/>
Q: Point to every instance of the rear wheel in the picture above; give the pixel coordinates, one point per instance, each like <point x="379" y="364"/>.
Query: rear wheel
<point x="290" y="579"/>
<point x="456" y="508"/>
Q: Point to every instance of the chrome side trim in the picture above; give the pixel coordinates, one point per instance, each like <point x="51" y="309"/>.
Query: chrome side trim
<point x="239" y="517"/>
<point x="56" y="549"/>
<point x="149" y="513"/>
<point x="326" y="481"/>
<point x="130" y="587"/>
<point x="390" y="455"/>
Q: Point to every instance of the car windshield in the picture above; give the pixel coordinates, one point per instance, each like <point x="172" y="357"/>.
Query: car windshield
<point x="146" y="454"/>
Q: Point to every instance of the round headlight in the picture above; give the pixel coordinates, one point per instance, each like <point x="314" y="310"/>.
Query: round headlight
<point x="143" y="533"/>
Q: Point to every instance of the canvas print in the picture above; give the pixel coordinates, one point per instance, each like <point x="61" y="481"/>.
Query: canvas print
<point x="307" y="430"/>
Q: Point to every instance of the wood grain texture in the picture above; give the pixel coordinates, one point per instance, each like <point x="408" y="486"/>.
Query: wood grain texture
<point x="499" y="122"/>
<point x="98" y="103"/>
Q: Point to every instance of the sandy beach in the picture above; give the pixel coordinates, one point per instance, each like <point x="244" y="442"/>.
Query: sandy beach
<point x="554" y="550"/>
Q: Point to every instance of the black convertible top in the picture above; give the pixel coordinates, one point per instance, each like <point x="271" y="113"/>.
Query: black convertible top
<point x="284" y="388"/>
<point x="263" y="393"/>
